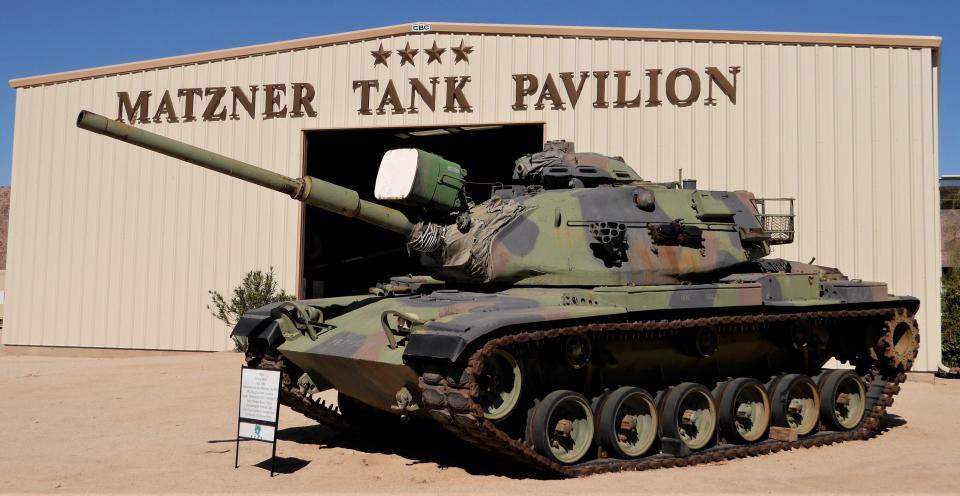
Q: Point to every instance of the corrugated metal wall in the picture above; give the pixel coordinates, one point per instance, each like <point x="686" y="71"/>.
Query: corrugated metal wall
<point x="116" y="247"/>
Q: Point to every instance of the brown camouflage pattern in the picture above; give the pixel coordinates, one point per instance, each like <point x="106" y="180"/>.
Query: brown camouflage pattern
<point x="623" y="251"/>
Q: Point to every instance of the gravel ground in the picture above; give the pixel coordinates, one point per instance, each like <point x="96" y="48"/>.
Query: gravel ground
<point x="162" y="423"/>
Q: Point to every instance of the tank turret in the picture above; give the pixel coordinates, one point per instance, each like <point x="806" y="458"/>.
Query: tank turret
<point x="576" y="219"/>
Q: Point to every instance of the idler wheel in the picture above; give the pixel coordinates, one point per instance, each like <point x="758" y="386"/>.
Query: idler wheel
<point x="500" y="382"/>
<point x="689" y="413"/>
<point x="744" y="410"/>
<point x="795" y="402"/>
<point x="843" y="399"/>
<point x="561" y="427"/>
<point x="627" y="422"/>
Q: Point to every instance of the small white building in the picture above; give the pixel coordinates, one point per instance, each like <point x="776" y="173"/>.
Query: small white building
<point x="113" y="246"/>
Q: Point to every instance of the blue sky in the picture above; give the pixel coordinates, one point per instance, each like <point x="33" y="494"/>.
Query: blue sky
<point x="40" y="37"/>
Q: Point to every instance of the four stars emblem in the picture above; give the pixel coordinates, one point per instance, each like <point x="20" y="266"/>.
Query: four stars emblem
<point x="461" y="52"/>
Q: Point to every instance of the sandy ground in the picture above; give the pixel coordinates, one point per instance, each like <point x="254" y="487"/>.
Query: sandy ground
<point x="165" y="423"/>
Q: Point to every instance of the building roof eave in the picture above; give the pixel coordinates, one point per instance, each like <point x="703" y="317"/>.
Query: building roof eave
<point x="932" y="42"/>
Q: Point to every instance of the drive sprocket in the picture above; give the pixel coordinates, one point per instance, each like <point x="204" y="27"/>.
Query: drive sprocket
<point x="900" y="342"/>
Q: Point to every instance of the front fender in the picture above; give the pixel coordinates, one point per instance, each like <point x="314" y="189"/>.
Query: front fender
<point x="447" y="338"/>
<point x="259" y="324"/>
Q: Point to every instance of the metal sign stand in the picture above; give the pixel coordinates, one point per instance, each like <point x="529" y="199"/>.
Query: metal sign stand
<point x="257" y="424"/>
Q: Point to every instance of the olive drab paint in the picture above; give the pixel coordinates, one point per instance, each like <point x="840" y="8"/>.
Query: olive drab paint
<point x="579" y="278"/>
<point x="582" y="237"/>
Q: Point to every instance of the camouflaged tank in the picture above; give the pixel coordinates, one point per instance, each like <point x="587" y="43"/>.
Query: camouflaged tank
<point x="582" y="320"/>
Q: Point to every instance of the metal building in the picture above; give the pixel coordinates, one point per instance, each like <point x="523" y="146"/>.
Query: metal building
<point x="113" y="246"/>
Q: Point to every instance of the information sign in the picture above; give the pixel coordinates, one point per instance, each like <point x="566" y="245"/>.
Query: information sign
<point x="259" y="410"/>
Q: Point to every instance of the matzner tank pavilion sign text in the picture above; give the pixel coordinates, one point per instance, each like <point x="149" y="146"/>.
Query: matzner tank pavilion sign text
<point x="618" y="88"/>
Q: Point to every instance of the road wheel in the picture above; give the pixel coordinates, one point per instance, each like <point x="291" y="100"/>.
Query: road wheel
<point x="744" y="410"/>
<point x="843" y="399"/>
<point x="627" y="422"/>
<point x="689" y="413"/>
<point x="561" y="427"/>
<point x="795" y="402"/>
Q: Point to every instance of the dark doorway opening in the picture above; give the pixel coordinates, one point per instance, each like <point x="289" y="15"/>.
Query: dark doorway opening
<point x="343" y="256"/>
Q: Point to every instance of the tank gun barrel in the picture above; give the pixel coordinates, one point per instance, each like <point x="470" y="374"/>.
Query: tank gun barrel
<point x="310" y="190"/>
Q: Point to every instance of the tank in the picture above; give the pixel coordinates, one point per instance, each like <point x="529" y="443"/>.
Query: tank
<point x="581" y="320"/>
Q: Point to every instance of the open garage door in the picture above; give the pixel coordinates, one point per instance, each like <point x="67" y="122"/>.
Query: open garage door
<point x="343" y="256"/>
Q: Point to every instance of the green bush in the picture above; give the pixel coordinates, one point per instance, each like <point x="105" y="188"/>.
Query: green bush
<point x="950" y="320"/>
<point x="257" y="289"/>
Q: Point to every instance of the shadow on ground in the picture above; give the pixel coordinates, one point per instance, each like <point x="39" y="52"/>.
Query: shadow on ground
<point x="891" y="420"/>
<point x="418" y="442"/>
<point x="421" y="442"/>
<point x="284" y="465"/>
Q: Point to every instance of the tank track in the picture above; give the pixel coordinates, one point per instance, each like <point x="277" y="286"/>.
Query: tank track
<point x="453" y="402"/>
<point x="293" y="397"/>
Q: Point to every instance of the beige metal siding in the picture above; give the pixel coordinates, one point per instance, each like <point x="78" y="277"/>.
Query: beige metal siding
<point x="113" y="246"/>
